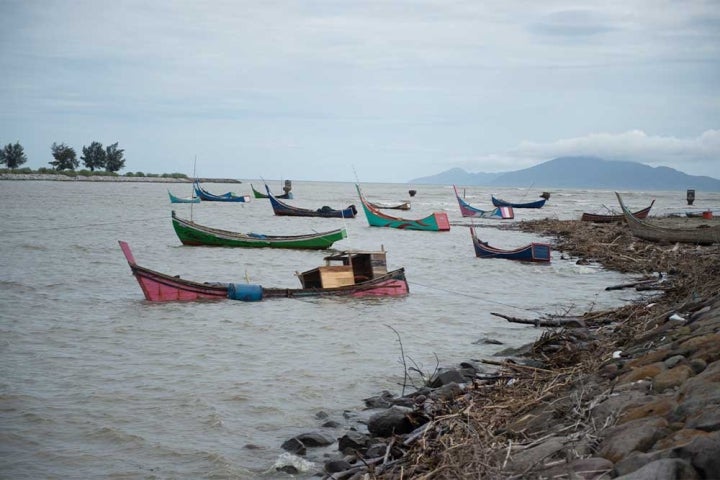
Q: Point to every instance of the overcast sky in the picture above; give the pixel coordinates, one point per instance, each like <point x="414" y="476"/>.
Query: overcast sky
<point x="385" y="90"/>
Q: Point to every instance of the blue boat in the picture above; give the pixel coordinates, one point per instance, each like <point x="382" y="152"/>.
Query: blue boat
<point x="225" y="197"/>
<point x="502" y="203"/>
<point x="174" y="199"/>
<point x="534" y="252"/>
<point x="283" y="209"/>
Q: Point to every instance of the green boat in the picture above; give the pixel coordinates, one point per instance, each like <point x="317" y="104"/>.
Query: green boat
<point x="190" y="233"/>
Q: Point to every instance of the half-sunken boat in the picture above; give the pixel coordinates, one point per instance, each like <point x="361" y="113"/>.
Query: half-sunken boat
<point x="502" y="203"/>
<point x="700" y="235"/>
<point x="348" y="274"/>
<point x="174" y="199"/>
<point x="194" y="234"/>
<point x="286" y="196"/>
<point x="533" y="252"/>
<point x="390" y="206"/>
<point x="283" y="209"/>
<point x="437" y="222"/>
<point x="467" y="210"/>
<point x="599" y="218"/>
<point x="225" y="197"/>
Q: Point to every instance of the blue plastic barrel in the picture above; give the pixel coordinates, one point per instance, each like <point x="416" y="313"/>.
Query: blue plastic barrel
<point x="245" y="292"/>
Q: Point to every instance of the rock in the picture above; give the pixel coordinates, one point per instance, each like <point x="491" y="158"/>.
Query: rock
<point x="702" y="452"/>
<point x="672" y="378"/>
<point x="295" y="446"/>
<point x="664" y="469"/>
<point x="353" y="441"/>
<point x="389" y="422"/>
<point x="609" y="409"/>
<point x="446" y="392"/>
<point x="525" y="459"/>
<point x="334" y="466"/>
<point x="636" y="460"/>
<point x="454" y="375"/>
<point x="592" y="468"/>
<point x="384" y="400"/>
<point x="674" y="361"/>
<point x="315" y="439"/>
<point x="637" y="435"/>
<point x="642" y="373"/>
<point x="654" y="407"/>
<point x="679" y="438"/>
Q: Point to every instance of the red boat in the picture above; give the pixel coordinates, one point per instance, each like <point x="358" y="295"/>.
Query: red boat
<point x="356" y="274"/>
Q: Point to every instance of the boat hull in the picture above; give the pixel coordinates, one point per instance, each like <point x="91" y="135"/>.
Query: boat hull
<point x="436" y="222"/>
<point x="283" y="209"/>
<point x="467" y="210"/>
<point x="285" y="196"/>
<point x="502" y="203"/>
<point x="193" y="234"/>
<point x="596" y="218"/>
<point x="534" y="252"/>
<point x="225" y="197"/>
<point x="174" y="199"/>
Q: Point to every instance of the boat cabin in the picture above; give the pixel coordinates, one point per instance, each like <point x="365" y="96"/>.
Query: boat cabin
<point x="345" y="268"/>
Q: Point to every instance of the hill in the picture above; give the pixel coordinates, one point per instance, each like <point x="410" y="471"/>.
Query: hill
<point x="581" y="172"/>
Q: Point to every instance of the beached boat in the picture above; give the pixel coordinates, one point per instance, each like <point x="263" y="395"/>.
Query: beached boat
<point x="598" y="218"/>
<point x="502" y="203"/>
<point x="174" y="199"/>
<point x="701" y="235"/>
<point x="533" y="252"/>
<point x="468" y="210"/>
<point x="191" y="233"/>
<point x="391" y="206"/>
<point x="283" y="209"/>
<point x="286" y="196"/>
<point x="225" y="197"/>
<point x="437" y="222"/>
<point x="350" y="273"/>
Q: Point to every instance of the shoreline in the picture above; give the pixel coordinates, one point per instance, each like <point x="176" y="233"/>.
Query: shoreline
<point x="109" y="178"/>
<point x="632" y="392"/>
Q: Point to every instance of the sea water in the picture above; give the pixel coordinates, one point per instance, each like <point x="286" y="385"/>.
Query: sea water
<point x="96" y="382"/>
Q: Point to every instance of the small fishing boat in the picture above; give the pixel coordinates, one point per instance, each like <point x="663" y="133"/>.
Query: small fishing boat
<point x="598" y="218"/>
<point x="349" y="274"/>
<point x="286" y="196"/>
<point x="225" y="197"/>
<point x="283" y="209"/>
<point x="534" y="252"/>
<point x="502" y="203"/>
<point x="174" y="199"/>
<point x="437" y="222"/>
<point x="701" y="235"/>
<point x="468" y="210"/>
<point x="390" y="206"/>
<point x="191" y="233"/>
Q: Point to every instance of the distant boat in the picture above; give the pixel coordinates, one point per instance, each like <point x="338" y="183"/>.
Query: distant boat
<point x="174" y="199"/>
<point x="283" y="209"/>
<point x="466" y="210"/>
<point x="437" y="221"/>
<point x="355" y="274"/>
<point x="534" y="252"/>
<point x="191" y="233"/>
<point x="391" y="206"/>
<point x="701" y="235"/>
<point x="598" y="218"/>
<point x="502" y="203"/>
<point x="225" y="197"/>
<point x="287" y="195"/>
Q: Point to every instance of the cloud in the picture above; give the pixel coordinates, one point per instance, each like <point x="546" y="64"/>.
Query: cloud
<point x="695" y="156"/>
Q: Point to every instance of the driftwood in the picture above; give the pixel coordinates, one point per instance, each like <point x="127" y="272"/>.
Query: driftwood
<point x="636" y="285"/>
<point x="550" y="322"/>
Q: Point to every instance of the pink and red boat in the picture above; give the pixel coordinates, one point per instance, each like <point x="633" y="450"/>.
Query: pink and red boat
<point x="349" y="273"/>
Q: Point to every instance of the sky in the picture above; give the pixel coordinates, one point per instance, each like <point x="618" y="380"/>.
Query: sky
<point x="369" y="91"/>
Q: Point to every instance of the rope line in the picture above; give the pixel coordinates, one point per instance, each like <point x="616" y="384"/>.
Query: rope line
<point x="81" y="226"/>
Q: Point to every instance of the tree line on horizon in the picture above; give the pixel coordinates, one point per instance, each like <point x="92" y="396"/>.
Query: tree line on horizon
<point x="94" y="156"/>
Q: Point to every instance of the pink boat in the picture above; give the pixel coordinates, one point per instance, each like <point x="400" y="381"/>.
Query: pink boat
<point x="348" y="273"/>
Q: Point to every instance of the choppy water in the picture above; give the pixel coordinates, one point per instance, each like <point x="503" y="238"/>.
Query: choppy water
<point x="97" y="383"/>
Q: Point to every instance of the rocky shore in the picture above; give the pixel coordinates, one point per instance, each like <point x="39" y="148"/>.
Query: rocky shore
<point x="630" y="393"/>
<point x="109" y="178"/>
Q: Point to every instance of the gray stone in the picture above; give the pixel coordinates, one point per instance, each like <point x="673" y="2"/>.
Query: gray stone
<point x="637" y="460"/>
<point x="704" y="454"/>
<point x="334" y="466"/>
<point x="353" y="441"/>
<point x="524" y="460"/>
<point x="664" y="469"/>
<point x="637" y="435"/>
<point x="389" y="422"/>
<point x="592" y="468"/>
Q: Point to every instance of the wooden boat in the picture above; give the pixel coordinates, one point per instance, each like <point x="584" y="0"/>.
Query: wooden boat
<point x="502" y="203"/>
<point x="534" y="252"/>
<point x="436" y="222"/>
<point x="354" y="274"/>
<point x="598" y="218"/>
<point x="390" y="206"/>
<point x="284" y="209"/>
<point x="468" y="210"/>
<point x="287" y="195"/>
<point x="174" y="199"/>
<point x="225" y="197"/>
<point x="701" y="235"/>
<point x="191" y="233"/>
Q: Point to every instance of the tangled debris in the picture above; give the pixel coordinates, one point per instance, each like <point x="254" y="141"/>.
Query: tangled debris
<point x="553" y="412"/>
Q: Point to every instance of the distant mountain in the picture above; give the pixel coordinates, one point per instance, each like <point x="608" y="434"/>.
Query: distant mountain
<point x="580" y="172"/>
